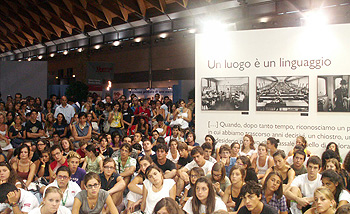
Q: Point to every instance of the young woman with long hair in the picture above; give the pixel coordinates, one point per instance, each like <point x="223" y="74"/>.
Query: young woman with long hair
<point x="248" y="146"/>
<point x="204" y="199"/>
<point x="92" y="162"/>
<point x="281" y="166"/>
<point x="324" y="202"/>
<point x="333" y="181"/>
<point x="273" y="193"/>
<point x="24" y="167"/>
<point x="51" y="203"/>
<point x="219" y="178"/>
<point x="136" y="185"/>
<point x="60" y="126"/>
<point x="156" y="188"/>
<point x="262" y="162"/>
<point x="301" y="141"/>
<point x="231" y="197"/>
<point x="92" y="199"/>
<point x="167" y="206"/>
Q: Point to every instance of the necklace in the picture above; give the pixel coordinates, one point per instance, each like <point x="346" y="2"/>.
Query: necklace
<point x="92" y="202"/>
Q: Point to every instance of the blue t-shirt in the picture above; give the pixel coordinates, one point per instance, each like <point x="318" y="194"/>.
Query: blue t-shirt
<point x="228" y="168"/>
<point x="78" y="176"/>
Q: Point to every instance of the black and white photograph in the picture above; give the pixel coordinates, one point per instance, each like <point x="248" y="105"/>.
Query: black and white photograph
<point x="333" y="93"/>
<point x="225" y="94"/>
<point x="282" y="93"/>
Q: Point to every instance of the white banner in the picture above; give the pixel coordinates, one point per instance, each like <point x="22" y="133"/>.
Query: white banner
<point x="278" y="83"/>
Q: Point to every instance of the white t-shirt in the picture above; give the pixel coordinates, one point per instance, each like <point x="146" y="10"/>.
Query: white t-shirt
<point x="153" y="197"/>
<point x="68" y="196"/>
<point x="219" y="205"/>
<point x="26" y="202"/>
<point x="344" y="196"/>
<point x="61" y="210"/>
<point x="170" y="157"/>
<point x="206" y="167"/>
<point x="307" y="187"/>
<point x="250" y="153"/>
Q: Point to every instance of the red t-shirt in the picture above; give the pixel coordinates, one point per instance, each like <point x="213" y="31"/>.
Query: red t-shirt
<point x="53" y="165"/>
<point x="145" y="111"/>
<point x="81" y="153"/>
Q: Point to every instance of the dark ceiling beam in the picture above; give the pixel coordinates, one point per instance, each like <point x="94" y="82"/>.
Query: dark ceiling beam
<point x="183" y="3"/>
<point x="132" y="4"/>
<point x="142" y="7"/>
<point x="113" y="7"/>
<point x="156" y="4"/>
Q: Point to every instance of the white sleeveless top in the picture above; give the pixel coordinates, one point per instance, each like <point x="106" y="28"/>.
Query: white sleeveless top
<point x="153" y="197"/>
<point x="262" y="170"/>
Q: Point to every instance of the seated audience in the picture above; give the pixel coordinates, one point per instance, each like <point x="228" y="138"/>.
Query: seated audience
<point x="173" y="155"/>
<point x="250" y="174"/>
<point x="251" y="194"/>
<point x="125" y="165"/>
<point x="324" y="202"/>
<point x="167" y="205"/>
<point x="93" y="199"/>
<point x="262" y="162"/>
<point x="78" y="173"/>
<point x="231" y="196"/>
<point x="273" y="192"/>
<point x="208" y="148"/>
<point x="298" y="162"/>
<point x="156" y="188"/>
<point x="50" y="203"/>
<point x="334" y="183"/>
<point x="248" y="148"/>
<point x="167" y="166"/>
<point x="204" y="199"/>
<point x="219" y="179"/>
<point x="303" y="186"/>
<point x="69" y="188"/>
<point x="93" y="161"/>
<point x="16" y="200"/>
<point x="194" y="174"/>
<point x="24" y="167"/>
<point x="272" y="144"/>
<point x="112" y="181"/>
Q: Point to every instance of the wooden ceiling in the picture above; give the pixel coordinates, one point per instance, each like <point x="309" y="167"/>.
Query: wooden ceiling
<point x="28" y="22"/>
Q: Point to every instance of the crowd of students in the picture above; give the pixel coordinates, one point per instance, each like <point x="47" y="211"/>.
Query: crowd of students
<point x="142" y="156"/>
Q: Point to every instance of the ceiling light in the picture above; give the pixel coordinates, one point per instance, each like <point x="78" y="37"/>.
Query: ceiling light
<point x="73" y="76"/>
<point x="138" y="39"/>
<point x="163" y="35"/>
<point x="29" y="59"/>
<point x="97" y="47"/>
<point x="65" y="52"/>
<point x="52" y="55"/>
<point x="116" y="43"/>
<point x="40" y="57"/>
<point x="315" y="18"/>
<point x="56" y="77"/>
<point x="19" y="60"/>
<point x="80" y="49"/>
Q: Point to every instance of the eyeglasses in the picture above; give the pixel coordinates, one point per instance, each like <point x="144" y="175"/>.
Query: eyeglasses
<point x="92" y="186"/>
<point x="109" y="167"/>
<point x="216" y="175"/>
<point x="41" y="144"/>
<point x="194" y="176"/>
<point x="62" y="177"/>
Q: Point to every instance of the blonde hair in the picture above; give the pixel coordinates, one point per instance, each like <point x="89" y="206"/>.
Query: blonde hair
<point x="327" y="193"/>
<point x="52" y="189"/>
<point x="4" y="115"/>
<point x="73" y="154"/>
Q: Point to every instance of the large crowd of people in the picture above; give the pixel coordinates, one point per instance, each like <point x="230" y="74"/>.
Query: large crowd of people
<point x="142" y="156"/>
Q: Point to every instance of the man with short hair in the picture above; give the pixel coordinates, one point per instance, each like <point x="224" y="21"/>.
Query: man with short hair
<point x="251" y="193"/>
<point x="298" y="162"/>
<point x="301" y="191"/>
<point x="125" y="165"/>
<point x="226" y="159"/>
<point x="197" y="154"/>
<point x="59" y="160"/>
<point x="147" y="149"/>
<point x="66" y="109"/>
<point x="137" y="138"/>
<point x="18" y="97"/>
<point x="164" y="163"/>
<point x="33" y="127"/>
<point x="208" y="149"/>
<point x="185" y="157"/>
<point x="20" y="200"/>
<point x="176" y="134"/>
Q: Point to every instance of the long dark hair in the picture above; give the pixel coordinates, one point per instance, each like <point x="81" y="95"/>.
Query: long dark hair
<point x="334" y="178"/>
<point x="214" y="142"/>
<point x="170" y="205"/>
<point x="14" y="178"/>
<point x="92" y="148"/>
<point x="279" y="191"/>
<point x="210" y="206"/>
<point x="336" y="147"/>
<point x="251" y="145"/>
